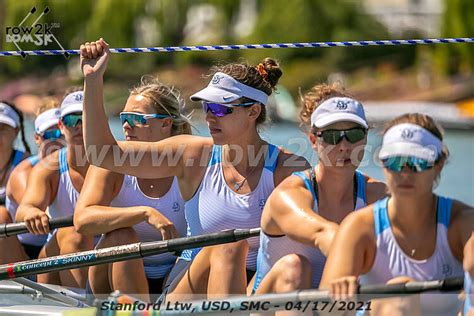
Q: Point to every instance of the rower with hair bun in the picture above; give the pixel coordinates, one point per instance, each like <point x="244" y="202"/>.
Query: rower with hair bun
<point x="225" y="180"/>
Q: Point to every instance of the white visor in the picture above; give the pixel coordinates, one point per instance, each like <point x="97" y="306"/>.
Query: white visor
<point x="336" y="110"/>
<point x="9" y="116"/>
<point x="72" y="103"/>
<point x="224" y="89"/>
<point x="46" y="120"/>
<point x="408" y="140"/>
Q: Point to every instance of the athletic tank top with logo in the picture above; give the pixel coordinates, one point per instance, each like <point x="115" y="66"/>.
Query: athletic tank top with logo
<point x="12" y="206"/>
<point x="215" y="207"/>
<point x="390" y="260"/>
<point x="171" y="205"/>
<point x="273" y="248"/>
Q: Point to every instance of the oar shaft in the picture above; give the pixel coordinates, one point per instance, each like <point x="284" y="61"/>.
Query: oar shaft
<point x="120" y="253"/>
<point x="280" y="301"/>
<point x="7" y="230"/>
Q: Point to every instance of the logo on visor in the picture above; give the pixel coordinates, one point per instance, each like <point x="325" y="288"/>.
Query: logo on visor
<point x="407" y="133"/>
<point x="78" y="97"/>
<point x="342" y="105"/>
<point x="216" y="79"/>
<point x="57" y="113"/>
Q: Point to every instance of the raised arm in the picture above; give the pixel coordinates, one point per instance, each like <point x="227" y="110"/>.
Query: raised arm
<point x="37" y="197"/>
<point x="142" y="159"/>
<point x="94" y="216"/>
<point x="289" y="211"/>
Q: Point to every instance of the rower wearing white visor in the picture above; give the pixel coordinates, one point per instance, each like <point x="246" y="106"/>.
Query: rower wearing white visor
<point x="225" y="180"/>
<point x="128" y="209"/>
<point x="48" y="139"/>
<point x="412" y="235"/>
<point x="54" y="184"/>
<point x="302" y="215"/>
<point x="11" y="124"/>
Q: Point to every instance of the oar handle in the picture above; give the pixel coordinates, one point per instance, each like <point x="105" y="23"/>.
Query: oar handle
<point x="7" y="230"/>
<point x="446" y="285"/>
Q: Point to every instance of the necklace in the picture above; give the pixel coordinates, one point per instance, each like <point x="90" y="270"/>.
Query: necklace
<point x="238" y="184"/>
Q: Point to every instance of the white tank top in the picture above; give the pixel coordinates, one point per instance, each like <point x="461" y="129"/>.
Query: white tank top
<point x="12" y="206"/>
<point x="216" y="207"/>
<point x="67" y="195"/>
<point x="390" y="260"/>
<point x="170" y="205"/>
<point x="273" y="248"/>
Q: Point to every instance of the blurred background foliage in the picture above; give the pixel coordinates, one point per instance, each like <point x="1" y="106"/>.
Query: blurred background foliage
<point x="143" y="23"/>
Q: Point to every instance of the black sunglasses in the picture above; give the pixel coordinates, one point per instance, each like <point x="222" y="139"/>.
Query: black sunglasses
<point x="334" y="137"/>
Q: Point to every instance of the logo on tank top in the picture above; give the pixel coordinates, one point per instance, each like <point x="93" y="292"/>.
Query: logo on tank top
<point x="447" y="270"/>
<point x="176" y="207"/>
<point x="261" y="204"/>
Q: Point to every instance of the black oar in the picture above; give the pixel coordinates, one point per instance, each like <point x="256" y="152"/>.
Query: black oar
<point x="121" y="253"/>
<point x="306" y="300"/>
<point x="7" y="230"/>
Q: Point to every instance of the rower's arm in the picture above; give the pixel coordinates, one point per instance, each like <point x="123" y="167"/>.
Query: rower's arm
<point x="16" y="185"/>
<point x="351" y="253"/>
<point x="142" y="159"/>
<point x="37" y="197"/>
<point x="461" y="234"/>
<point x="93" y="215"/>
<point x="289" y="211"/>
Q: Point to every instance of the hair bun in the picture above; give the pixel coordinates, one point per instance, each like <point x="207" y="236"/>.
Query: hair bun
<point x="273" y="70"/>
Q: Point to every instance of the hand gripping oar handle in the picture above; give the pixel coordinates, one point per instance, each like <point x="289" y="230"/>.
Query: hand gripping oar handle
<point x="7" y="230"/>
<point x="120" y="253"/>
<point x="446" y="285"/>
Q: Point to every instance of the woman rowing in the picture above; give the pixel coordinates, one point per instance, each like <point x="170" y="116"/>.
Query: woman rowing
<point x="11" y="123"/>
<point x="111" y="203"/>
<point x="412" y="235"/>
<point x="48" y="138"/>
<point x="291" y="255"/>
<point x="223" y="183"/>
<point x="54" y="184"/>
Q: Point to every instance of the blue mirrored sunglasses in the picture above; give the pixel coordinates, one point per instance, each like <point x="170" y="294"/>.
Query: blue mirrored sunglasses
<point x="396" y="164"/>
<point x="138" y="119"/>
<point x="221" y="110"/>
<point x="51" y="134"/>
<point x="72" y="120"/>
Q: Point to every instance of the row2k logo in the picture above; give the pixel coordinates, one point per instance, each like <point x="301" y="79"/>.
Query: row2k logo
<point x="37" y="33"/>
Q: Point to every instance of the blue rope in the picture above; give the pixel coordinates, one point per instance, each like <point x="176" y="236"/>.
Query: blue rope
<point x="248" y="46"/>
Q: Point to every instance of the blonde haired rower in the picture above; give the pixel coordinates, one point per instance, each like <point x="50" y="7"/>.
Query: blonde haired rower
<point x="128" y="209"/>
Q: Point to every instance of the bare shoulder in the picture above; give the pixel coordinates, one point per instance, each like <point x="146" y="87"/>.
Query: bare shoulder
<point x="20" y="172"/>
<point x="18" y="179"/>
<point x="376" y="189"/>
<point x="360" y="223"/>
<point x="48" y="166"/>
<point x="462" y="216"/>
<point x="288" y="163"/>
